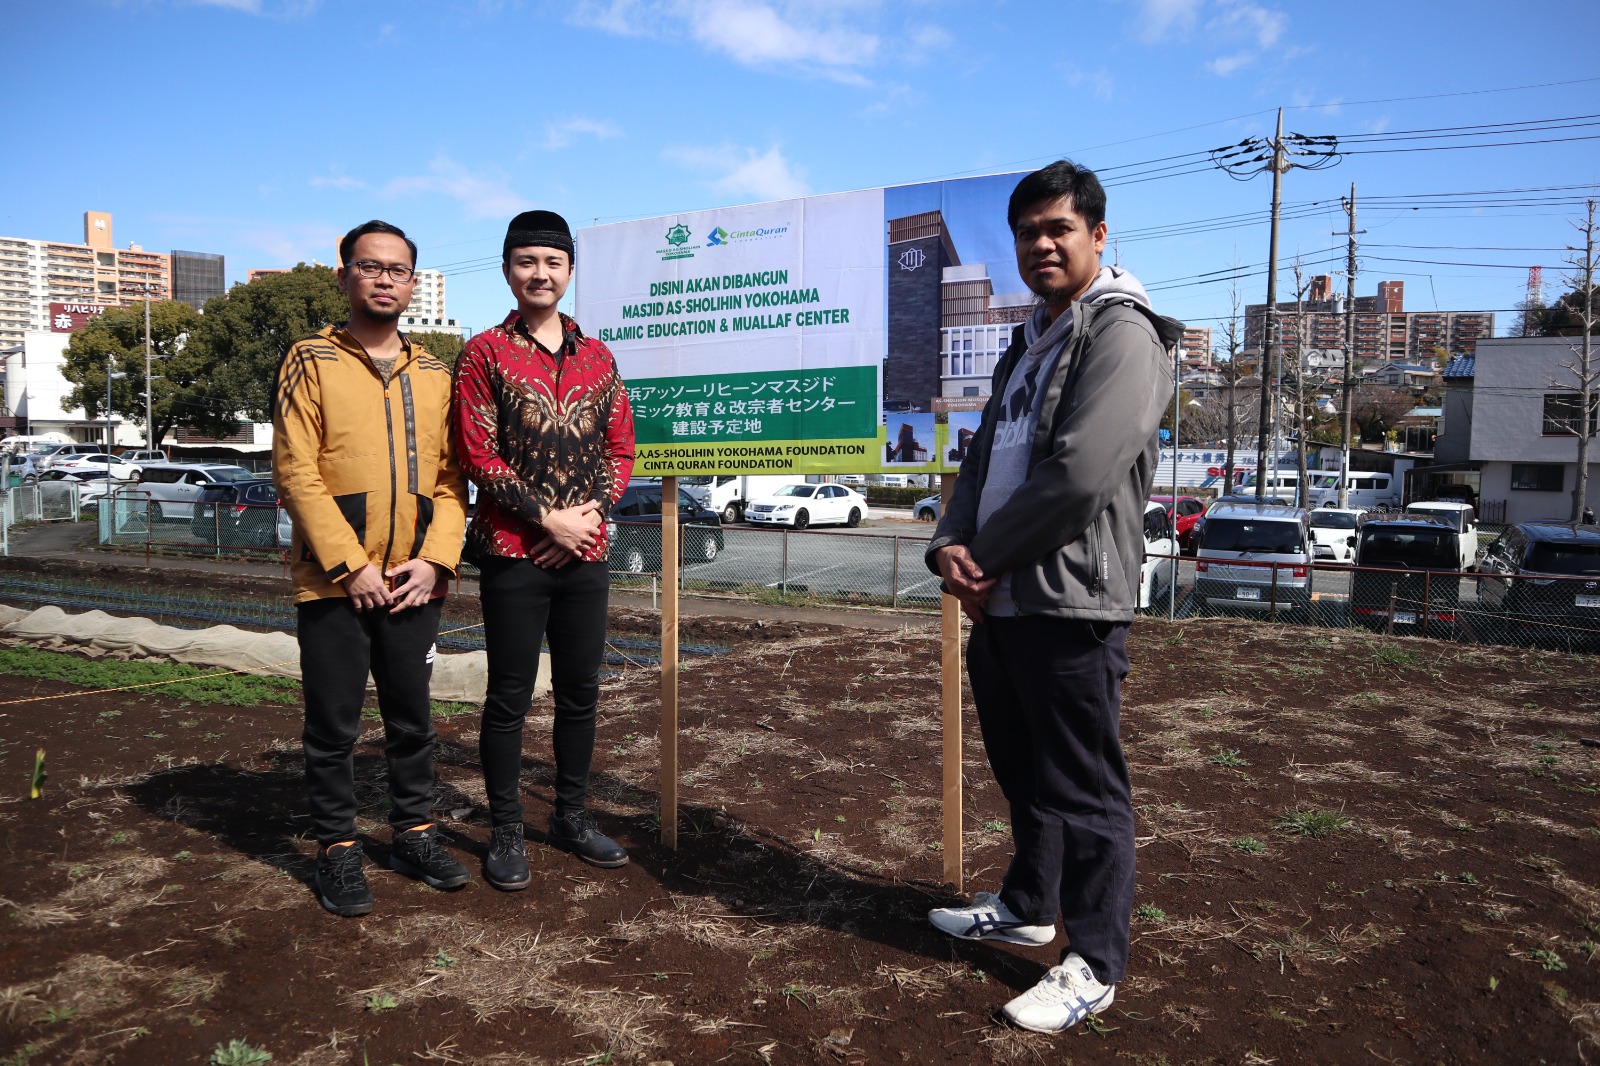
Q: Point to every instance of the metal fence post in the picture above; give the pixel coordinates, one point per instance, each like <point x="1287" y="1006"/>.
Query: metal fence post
<point x="783" y="573"/>
<point x="1427" y="598"/>
<point x="894" y="576"/>
<point x="1274" y="609"/>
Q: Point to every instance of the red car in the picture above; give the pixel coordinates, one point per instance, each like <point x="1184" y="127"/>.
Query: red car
<point x="1190" y="508"/>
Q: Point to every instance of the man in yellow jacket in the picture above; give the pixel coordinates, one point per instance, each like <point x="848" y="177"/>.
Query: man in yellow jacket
<point x="364" y="460"/>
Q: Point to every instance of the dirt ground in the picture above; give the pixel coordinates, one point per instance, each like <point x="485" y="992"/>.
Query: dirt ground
<point x="1351" y="849"/>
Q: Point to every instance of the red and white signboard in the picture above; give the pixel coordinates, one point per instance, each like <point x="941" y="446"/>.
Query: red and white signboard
<point x="64" y="318"/>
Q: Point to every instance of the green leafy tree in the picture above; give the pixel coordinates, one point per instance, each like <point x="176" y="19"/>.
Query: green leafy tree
<point x="446" y="347"/>
<point x="114" y="342"/>
<point x="244" y="335"/>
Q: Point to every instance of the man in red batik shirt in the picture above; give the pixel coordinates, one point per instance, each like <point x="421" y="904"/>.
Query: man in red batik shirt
<point x="544" y="430"/>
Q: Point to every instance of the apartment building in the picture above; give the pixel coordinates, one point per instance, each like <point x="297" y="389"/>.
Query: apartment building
<point x="1385" y="331"/>
<point x="36" y="273"/>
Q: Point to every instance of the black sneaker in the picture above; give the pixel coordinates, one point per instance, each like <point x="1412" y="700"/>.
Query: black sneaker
<point x="341" y="886"/>
<point x="418" y="853"/>
<point x="506" y="865"/>
<point x="575" y="831"/>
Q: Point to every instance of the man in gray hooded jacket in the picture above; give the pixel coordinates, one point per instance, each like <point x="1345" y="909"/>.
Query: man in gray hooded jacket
<point x="1042" y="543"/>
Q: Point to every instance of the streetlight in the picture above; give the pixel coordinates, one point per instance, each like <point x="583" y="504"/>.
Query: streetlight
<point x="110" y="377"/>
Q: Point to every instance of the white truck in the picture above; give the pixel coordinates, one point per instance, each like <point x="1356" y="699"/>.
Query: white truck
<point x="728" y="493"/>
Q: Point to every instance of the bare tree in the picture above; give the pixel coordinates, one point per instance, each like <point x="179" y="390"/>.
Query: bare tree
<point x="1233" y="337"/>
<point x="1376" y="409"/>
<point x="1583" y="366"/>
<point x="1301" y="344"/>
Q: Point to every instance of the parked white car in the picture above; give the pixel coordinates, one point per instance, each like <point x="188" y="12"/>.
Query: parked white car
<point x="1160" y="567"/>
<point x="1458" y="516"/>
<point x="101" y="465"/>
<point x="801" y="506"/>
<point x="928" y="509"/>
<point x="1333" y="533"/>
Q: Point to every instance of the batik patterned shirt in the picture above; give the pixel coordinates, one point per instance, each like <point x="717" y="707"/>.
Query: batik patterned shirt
<point x="538" y="431"/>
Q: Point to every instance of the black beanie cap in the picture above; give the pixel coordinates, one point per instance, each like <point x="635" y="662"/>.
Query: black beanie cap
<point x="545" y="229"/>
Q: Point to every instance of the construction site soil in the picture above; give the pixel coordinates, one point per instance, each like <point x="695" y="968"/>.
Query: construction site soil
<point x="1351" y="849"/>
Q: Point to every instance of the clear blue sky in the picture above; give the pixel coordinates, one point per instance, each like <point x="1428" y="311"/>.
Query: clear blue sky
<point x="264" y="128"/>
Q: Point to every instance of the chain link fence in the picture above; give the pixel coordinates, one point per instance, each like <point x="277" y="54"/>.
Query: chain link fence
<point x="883" y="568"/>
<point x="1543" y="611"/>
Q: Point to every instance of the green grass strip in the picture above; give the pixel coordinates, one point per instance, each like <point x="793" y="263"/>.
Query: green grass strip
<point x="231" y="690"/>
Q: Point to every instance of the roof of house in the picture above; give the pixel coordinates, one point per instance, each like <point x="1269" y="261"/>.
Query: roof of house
<point x="1460" y="366"/>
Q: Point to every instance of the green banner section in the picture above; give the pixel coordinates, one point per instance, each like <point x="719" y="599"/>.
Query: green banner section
<point x="832" y="403"/>
<point x="795" y="457"/>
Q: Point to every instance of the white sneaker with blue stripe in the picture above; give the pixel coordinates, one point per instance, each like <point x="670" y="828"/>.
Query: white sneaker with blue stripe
<point x="1065" y="996"/>
<point x="989" y="919"/>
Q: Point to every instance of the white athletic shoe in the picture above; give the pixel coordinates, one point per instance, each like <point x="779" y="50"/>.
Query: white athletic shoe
<point x="989" y="919"/>
<point x="1064" y="996"/>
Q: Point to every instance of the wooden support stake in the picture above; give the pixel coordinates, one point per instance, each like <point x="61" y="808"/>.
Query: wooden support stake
<point x="950" y="713"/>
<point x="669" y="662"/>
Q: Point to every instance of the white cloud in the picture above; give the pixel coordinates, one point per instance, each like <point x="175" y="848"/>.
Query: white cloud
<point x="743" y="172"/>
<point x="834" y="40"/>
<point x="289" y="9"/>
<point x="1098" y="82"/>
<point x="1222" y="66"/>
<point x="756" y="35"/>
<point x="342" y="182"/>
<point x="481" y="195"/>
<point x="1158" y="18"/>
<point x="559" y="135"/>
<point x="625" y="18"/>
<point x="1242" y="19"/>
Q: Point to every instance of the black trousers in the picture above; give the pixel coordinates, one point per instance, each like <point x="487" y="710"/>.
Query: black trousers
<point x="338" y="648"/>
<point x="1048" y="693"/>
<point x="524" y="604"/>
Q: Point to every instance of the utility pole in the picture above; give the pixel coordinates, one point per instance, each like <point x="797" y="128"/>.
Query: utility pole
<point x="1349" y="353"/>
<point x="1241" y="161"/>
<point x="149" y="424"/>
<point x="1585" y="369"/>
<point x="1269" y="346"/>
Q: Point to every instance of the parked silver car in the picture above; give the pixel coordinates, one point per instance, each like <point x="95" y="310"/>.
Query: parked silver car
<point x="1255" y="557"/>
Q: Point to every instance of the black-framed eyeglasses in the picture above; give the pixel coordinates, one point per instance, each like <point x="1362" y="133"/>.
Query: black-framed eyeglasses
<point x="367" y="268"/>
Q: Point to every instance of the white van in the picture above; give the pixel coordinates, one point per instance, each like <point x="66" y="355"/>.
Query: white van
<point x="174" y="487"/>
<point x="1460" y="517"/>
<point x="1282" y="483"/>
<point x="1369" y="490"/>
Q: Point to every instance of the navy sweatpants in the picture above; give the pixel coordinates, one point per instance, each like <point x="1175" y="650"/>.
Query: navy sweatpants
<point x="1048" y="693"/>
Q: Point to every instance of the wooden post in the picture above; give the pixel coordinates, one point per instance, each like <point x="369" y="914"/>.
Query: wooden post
<point x="950" y="713"/>
<point x="668" y="738"/>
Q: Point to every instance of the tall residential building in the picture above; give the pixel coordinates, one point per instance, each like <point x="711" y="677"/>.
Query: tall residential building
<point x="427" y="310"/>
<point x="36" y="273"/>
<point x="197" y="277"/>
<point x="1385" y="331"/>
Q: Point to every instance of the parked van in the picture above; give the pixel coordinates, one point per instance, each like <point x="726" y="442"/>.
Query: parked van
<point x="1284" y="483"/>
<point x="1460" y="517"/>
<point x="1369" y="491"/>
<point x="1255" y="557"/>
<point x="1408" y="575"/>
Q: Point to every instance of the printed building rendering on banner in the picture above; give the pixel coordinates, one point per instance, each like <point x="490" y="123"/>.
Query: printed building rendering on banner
<point x="844" y="333"/>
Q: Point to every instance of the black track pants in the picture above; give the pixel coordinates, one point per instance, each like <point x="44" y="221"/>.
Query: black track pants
<point x="338" y="647"/>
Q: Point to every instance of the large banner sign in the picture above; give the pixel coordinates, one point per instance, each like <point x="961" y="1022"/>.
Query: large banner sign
<point x="845" y="333"/>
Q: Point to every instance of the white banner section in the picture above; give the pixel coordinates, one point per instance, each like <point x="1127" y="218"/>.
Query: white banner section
<point x="751" y="338"/>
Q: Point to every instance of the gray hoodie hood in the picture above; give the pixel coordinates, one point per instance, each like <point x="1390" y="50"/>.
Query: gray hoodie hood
<point x="1111" y="283"/>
